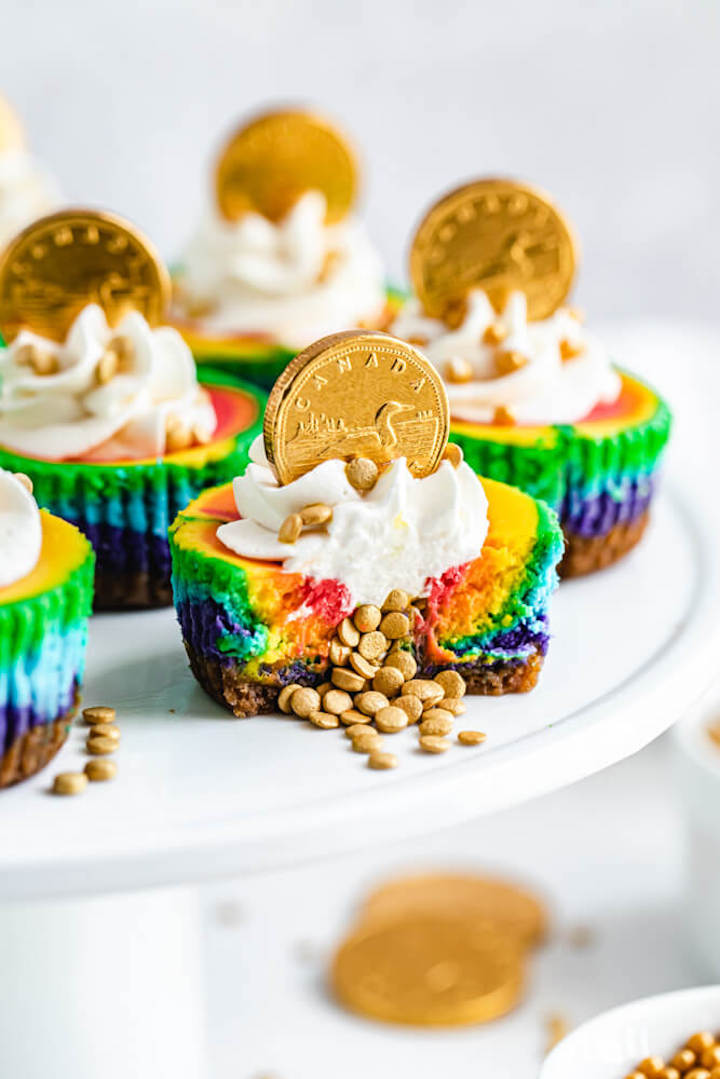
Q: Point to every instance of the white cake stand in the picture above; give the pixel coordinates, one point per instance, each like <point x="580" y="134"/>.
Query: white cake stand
<point x="111" y="984"/>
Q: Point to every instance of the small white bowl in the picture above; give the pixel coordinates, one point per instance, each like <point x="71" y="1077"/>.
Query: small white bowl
<point x="609" y="1046"/>
<point x="697" y="772"/>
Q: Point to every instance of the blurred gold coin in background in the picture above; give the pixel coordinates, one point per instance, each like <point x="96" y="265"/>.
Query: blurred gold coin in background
<point x="12" y="135"/>
<point x="62" y="262"/>
<point x="496" y="235"/>
<point x="270" y="162"/>
<point x="429" y="971"/>
<point x="356" y="394"/>
<point x="513" y="909"/>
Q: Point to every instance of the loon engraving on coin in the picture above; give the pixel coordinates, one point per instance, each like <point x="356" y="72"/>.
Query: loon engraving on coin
<point x="514" y="909"/>
<point x="269" y="163"/>
<point x="356" y="394"/>
<point x="497" y="235"/>
<point x="12" y="136"/>
<point x="62" y="262"/>
<point x="429" y="971"/>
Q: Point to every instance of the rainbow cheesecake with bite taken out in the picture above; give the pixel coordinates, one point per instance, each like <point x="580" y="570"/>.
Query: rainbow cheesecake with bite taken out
<point x="279" y="261"/>
<point x="109" y="421"/>
<point x="264" y="572"/>
<point x="535" y="400"/>
<point x="46" y="581"/>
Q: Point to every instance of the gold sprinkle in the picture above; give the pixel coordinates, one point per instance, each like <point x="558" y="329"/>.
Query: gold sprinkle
<point x="382" y="761"/>
<point x="284" y="700"/>
<point x="69" y="783"/>
<point x="458" y="370"/>
<point x="354" y="729"/>
<point x="713" y="730"/>
<point x="367" y="617"/>
<point x="98" y="714"/>
<point x="411" y="706"/>
<point x="43" y="362"/>
<point x="451" y="683"/>
<point x="337" y="701"/>
<point x="508" y="361"/>
<point x="435" y="725"/>
<point x="556" y="1027"/>
<point x="99" y="746"/>
<point x="404" y="661"/>
<point x="304" y="701"/>
<point x="338" y="653"/>
<point x="373" y="646"/>
<point x="502" y="417"/>
<point x="423" y="688"/>
<point x="348" y="634"/>
<point x="395" y="625"/>
<point x="25" y="481"/>
<point x="371" y="702"/>
<point x="107" y="367"/>
<point x="495" y="334"/>
<point x="430" y="743"/>
<point x="105" y="730"/>
<point x="389" y="681"/>
<point x="348" y="680"/>
<point x="363" y="667"/>
<point x="569" y="351"/>
<point x="390" y="720"/>
<point x="452" y="704"/>
<point x="99" y="771"/>
<point x="200" y="436"/>
<point x="366" y="740"/>
<point x="291" y="528"/>
<point x="453" y="454"/>
<point x="471" y="738"/>
<point x="353" y="718"/>
<point x="316" y="514"/>
<point x="362" y="473"/>
<point x="178" y="435"/>
<point x="325" y="720"/>
<point x="396" y="600"/>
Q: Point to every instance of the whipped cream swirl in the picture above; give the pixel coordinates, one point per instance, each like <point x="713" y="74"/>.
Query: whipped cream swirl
<point x="399" y="535"/>
<point x="74" y="412"/>
<point x="296" y="280"/>
<point x="565" y="373"/>
<point x="25" y="192"/>
<point x="20" y="530"/>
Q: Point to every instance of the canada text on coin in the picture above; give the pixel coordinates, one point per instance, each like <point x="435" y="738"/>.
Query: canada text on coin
<point x="356" y="394"/>
<point x="429" y="971"/>
<point x="269" y="163"/>
<point x="498" y="236"/>
<point x="62" y="262"/>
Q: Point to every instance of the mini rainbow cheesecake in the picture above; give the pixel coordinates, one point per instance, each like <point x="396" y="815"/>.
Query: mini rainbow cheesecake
<point x="117" y="435"/>
<point x="259" y="599"/>
<point x="535" y="401"/>
<point x="280" y="260"/>
<point x="597" y="464"/>
<point x="46" y="583"/>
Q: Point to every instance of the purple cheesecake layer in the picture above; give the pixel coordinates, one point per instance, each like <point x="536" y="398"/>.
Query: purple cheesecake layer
<point x="17" y="720"/>
<point x="597" y="515"/>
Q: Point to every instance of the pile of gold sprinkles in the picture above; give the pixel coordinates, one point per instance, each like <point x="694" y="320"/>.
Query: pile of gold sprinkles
<point x="102" y="741"/>
<point x="699" y="1058"/>
<point x="372" y="689"/>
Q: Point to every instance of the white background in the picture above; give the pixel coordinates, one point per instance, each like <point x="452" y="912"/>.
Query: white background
<point x="611" y="105"/>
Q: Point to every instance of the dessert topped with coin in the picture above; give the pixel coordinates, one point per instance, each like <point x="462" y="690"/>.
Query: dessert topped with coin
<point x="26" y="191"/>
<point x="100" y="403"/>
<point x="46" y="578"/>
<point x="535" y="400"/>
<point x="280" y="259"/>
<point x="358" y="565"/>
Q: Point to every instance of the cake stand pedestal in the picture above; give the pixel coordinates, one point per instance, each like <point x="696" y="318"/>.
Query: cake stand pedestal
<point x="97" y="982"/>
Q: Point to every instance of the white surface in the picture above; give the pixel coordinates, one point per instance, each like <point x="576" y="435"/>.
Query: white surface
<point x="610" y="106"/>
<point x="200" y="794"/>
<point x="613" y="1043"/>
<point x="697" y="773"/>
<point x="106" y="987"/>
<point x="606" y="854"/>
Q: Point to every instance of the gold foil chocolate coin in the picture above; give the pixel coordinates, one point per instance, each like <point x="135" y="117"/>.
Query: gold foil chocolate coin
<point x="269" y="163"/>
<point x="61" y="263"/>
<point x="12" y="136"/>
<point x="513" y="909"/>
<point x="498" y="236"/>
<point x="429" y="971"/>
<point x="356" y="394"/>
